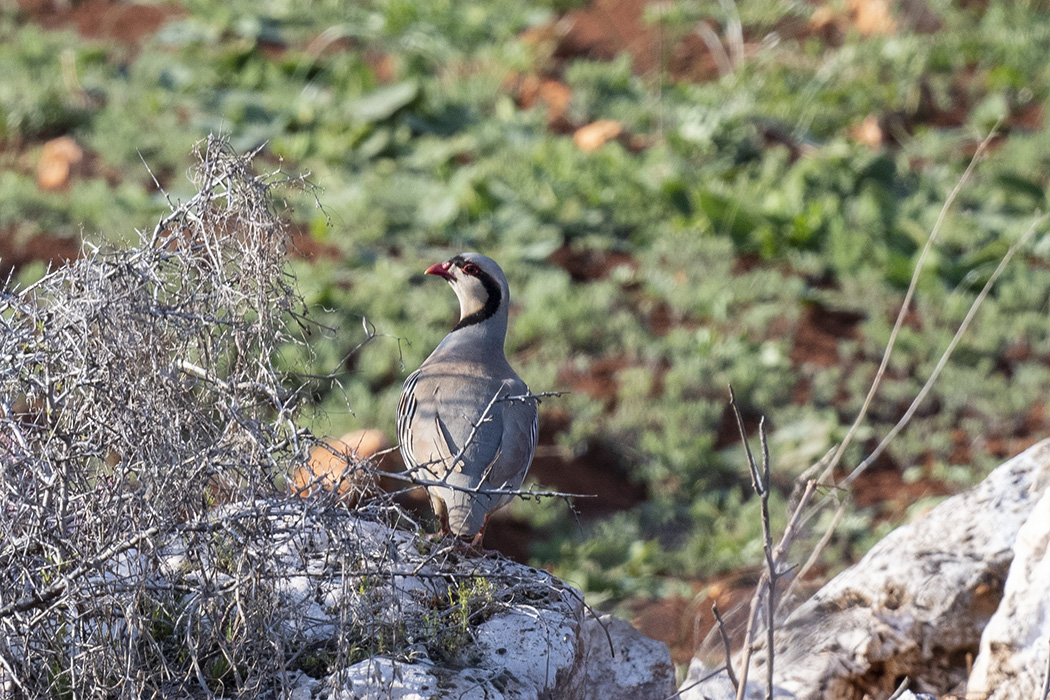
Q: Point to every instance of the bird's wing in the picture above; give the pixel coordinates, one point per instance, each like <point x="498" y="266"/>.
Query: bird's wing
<point x="446" y="427"/>
<point x="471" y="435"/>
<point x="518" y="443"/>
<point x="407" y="405"/>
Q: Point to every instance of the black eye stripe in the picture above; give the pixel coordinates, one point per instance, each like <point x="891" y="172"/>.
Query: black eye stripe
<point x="465" y="265"/>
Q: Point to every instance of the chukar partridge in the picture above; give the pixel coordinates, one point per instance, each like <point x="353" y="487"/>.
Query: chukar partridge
<point x="461" y="419"/>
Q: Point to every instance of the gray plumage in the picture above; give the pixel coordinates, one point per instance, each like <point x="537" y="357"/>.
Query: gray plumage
<point x="455" y="423"/>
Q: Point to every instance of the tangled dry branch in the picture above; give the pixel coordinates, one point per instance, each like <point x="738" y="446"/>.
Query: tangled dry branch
<point x="148" y="542"/>
<point x="109" y="446"/>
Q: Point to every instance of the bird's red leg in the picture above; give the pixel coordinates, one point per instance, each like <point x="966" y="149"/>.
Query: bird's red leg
<point x="444" y="530"/>
<point x="475" y="543"/>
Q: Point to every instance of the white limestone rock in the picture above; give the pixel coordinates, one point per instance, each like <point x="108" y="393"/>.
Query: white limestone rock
<point x="529" y="652"/>
<point x="915" y="605"/>
<point x="705" y="683"/>
<point x="324" y="587"/>
<point x="641" y="668"/>
<point x="526" y="653"/>
<point x="528" y="639"/>
<point x="1012" y="662"/>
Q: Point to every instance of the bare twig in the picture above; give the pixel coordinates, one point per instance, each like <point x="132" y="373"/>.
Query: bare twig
<point x="486" y="416"/>
<point x="760" y="482"/>
<point x="726" y="646"/>
<point x="1045" y="693"/>
<point x="39" y="599"/>
<point x="771" y="563"/>
<point x="716" y="48"/>
<point x="734" y="32"/>
<point x="524" y="494"/>
<point x="9" y="673"/>
<point x="597" y="618"/>
<point x="537" y="397"/>
<point x="703" y="679"/>
<point x="814" y="556"/>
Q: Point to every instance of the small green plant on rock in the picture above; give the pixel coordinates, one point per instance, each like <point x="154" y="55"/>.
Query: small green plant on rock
<point x="465" y="605"/>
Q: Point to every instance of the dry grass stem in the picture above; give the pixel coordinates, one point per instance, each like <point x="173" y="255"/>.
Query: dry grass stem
<point x="906" y="304"/>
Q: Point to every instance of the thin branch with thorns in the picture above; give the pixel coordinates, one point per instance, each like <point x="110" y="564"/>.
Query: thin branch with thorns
<point x="147" y="538"/>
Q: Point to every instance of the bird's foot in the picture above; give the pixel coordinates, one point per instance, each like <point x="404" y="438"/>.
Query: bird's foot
<point x="443" y="528"/>
<point x="472" y="547"/>
<point x="448" y="542"/>
<point x="475" y="543"/>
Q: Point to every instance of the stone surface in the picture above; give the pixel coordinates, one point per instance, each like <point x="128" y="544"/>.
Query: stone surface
<point x="1012" y="662"/>
<point x="468" y="626"/>
<point x="705" y="683"/>
<point x="641" y="667"/>
<point x="524" y="654"/>
<point x="914" y="606"/>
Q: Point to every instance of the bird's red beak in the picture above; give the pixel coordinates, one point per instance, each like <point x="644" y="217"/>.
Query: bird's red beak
<point x="441" y="270"/>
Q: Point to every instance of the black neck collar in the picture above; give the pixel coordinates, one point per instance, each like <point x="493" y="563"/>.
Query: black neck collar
<point x="492" y="303"/>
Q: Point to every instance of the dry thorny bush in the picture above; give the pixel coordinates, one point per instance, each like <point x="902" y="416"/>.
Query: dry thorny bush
<point x="148" y="543"/>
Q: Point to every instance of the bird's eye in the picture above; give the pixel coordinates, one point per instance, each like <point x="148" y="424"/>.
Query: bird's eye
<point x="471" y="269"/>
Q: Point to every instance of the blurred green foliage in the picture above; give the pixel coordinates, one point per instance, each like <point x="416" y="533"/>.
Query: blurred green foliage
<point x="744" y="205"/>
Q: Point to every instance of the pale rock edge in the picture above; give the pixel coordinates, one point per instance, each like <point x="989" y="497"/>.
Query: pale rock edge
<point x="923" y="594"/>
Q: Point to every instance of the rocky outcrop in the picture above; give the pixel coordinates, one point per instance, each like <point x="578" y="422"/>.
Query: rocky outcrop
<point x="1012" y="663"/>
<point x="620" y="662"/>
<point x="428" y="619"/>
<point x="534" y="654"/>
<point x="916" y="604"/>
<point x="526" y="651"/>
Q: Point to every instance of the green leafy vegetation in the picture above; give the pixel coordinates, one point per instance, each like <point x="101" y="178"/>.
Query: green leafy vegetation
<point x="753" y="227"/>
